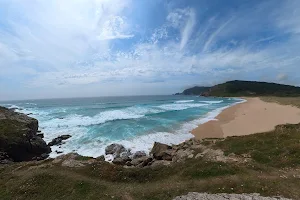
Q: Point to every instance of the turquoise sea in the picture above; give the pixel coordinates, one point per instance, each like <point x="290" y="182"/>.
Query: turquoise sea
<point x="134" y="121"/>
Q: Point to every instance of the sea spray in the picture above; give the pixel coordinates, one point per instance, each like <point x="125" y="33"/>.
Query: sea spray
<point x="135" y="122"/>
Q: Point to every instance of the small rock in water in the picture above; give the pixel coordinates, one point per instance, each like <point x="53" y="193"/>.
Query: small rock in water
<point x="58" y="140"/>
<point x="41" y="135"/>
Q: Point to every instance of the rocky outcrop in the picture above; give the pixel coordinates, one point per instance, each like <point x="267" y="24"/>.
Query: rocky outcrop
<point x="115" y="150"/>
<point x="73" y="160"/>
<point x="139" y="154"/>
<point x="161" y="154"/>
<point x="224" y="196"/>
<point x="161" y="151"/>
<point x="18" y="137"/>
<point x="59" y="140"/>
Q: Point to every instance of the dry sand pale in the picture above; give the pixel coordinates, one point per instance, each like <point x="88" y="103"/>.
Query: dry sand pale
<point x="253" y="116"/>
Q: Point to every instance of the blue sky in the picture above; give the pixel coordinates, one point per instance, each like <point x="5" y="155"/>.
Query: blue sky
<point x="77" y="48"/>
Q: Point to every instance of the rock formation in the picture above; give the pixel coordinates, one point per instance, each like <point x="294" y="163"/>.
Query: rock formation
<point x="59" y="140"/>
<point x="224" y="196"/>
<point x="18" y="138"/>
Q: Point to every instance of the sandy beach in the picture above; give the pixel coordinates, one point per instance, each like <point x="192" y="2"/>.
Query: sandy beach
<point x="253" y="116"/>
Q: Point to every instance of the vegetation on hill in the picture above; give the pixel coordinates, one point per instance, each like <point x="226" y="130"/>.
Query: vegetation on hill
<point x="195" y="90"/>
<point x="246" y="88"/>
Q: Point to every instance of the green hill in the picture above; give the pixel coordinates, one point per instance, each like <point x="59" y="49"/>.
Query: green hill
<point x="195" y="90"/>
<point x="246" y="88"/>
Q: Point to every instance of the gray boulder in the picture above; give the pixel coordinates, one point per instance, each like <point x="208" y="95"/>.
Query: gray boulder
<point x="115" y="149"/>
<point x="139" y="154"/>
<point x="161" y="151"/>
<point x="142" y="160"/>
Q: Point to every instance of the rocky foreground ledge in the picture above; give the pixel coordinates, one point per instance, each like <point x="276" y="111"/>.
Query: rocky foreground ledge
<point x="161" y="154"/>
<point x="224" y="196"/>
<point x="19" y="140"/>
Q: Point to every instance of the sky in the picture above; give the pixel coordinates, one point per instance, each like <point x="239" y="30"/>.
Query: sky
<point x="88" y="48"/>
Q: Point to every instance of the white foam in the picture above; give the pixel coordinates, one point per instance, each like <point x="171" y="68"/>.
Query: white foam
<point x="181" y="106"/>
<point x="13" y="107"/>
<point x="184" y="101"/>
<point x="95" y="148"/>
<point x="76" y="120"/>
<point x="212" y="102"/>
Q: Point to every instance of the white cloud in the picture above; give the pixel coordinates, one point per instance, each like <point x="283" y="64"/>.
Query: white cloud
<point x="185" y="20"/>
<point x="57" y="44"/>
<point x="215" y="34"/>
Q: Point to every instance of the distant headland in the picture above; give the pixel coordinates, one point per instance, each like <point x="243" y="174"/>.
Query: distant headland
<point x="244" y="88"/>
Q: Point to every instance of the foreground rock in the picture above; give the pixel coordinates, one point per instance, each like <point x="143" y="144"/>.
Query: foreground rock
<point x="115" y="150"/>
<point x="59" y="140"/>
<point x="73" y="160"/>
<point x="161" y="151"/>
<point x="18" y="137"/>
<point x="224" y="196"/>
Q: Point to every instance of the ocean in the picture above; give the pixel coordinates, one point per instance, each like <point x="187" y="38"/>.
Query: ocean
<point x="134" y="121"/>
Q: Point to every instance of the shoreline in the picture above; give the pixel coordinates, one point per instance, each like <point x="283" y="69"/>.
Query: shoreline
<point x="248" y="117"/>
<point x="140" y="143"/>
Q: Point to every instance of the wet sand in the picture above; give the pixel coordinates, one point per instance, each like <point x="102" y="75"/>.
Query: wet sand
<point x="253" y="116"/>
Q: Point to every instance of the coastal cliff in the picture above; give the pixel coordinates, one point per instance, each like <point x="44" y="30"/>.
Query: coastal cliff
<point x="18" y="138"/>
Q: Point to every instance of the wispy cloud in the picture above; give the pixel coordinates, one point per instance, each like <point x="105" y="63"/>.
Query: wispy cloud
<point x="215" y="34"/>
<point x="77" y="44"/>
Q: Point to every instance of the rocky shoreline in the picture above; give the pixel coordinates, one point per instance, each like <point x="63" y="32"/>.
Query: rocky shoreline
<point x="160" y="155"/>
<point x="21" y="141"/>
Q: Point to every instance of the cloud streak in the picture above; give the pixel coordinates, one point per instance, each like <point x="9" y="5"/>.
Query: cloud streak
<point x="67" y="45"/>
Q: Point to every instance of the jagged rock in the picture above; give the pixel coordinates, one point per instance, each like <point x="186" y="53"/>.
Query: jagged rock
<point x="199" y="155"/>
<point x="139" y="154"/>
<point x="18" y="136"/>
<point x="41" y="135"/>
<point x="142" y="160"/>
<point x="59" y="140"/>
<point x="115" y="149"/>
<point x="161" y="151"/>
<point x="147" y="162"/>
<point x="224" y="196"/>
<point x="182" y="154"/>
<point x="41" y="157"/>
<point x="100" y="158"/>
<point x="72" y="160"/>
<point x="128" y="164"/>
<point x="156" y="163"/>
<point x="4" y="158"/>
<point x="65" y="137"/>
<point x="121" y="160"/>
<point x="126" y="154"/>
